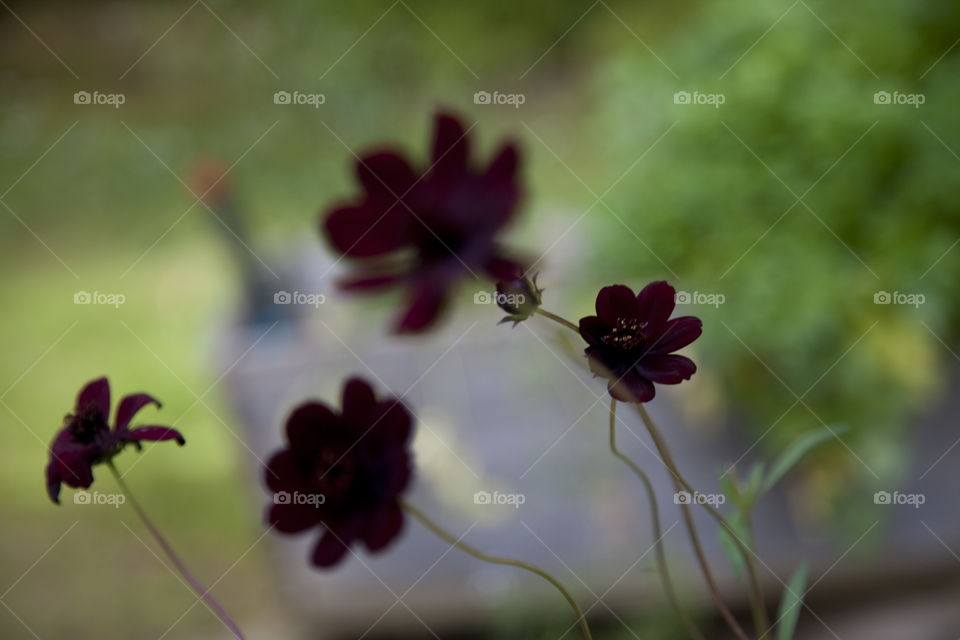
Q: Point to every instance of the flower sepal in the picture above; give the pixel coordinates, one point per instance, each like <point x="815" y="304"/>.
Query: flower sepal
<point x="520" y="297"/>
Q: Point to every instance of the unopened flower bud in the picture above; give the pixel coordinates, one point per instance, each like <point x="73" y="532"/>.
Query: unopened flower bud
<point x="519" y="297"/>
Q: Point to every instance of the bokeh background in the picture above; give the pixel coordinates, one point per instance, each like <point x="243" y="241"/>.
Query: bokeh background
<point x="798" y="200"/>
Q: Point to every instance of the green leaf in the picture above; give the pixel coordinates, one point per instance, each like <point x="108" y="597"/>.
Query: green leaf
<point x="753" y="487"/>
<point x="792" y="455"/>
<point x="742" y="496"/>
<point x="791" y="604"/>
<point x="730" y="546"/>
<point x="756" y="475"/>
<point x="728" y="485"/>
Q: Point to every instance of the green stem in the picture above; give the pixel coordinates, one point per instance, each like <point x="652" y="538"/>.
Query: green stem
<point x="476" y="553"/>
<point x="657" y="530"/>
<point x="203" y="593"/>
<point x="563" y="321"/>
<point x="758" y="609"/>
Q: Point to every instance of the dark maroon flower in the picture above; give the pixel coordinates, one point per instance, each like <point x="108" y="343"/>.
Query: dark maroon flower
<point x="343" y="471"/>
<point x="425" y="229"/>
<point x="631" y="339"/>
<point x="86" y="438"/>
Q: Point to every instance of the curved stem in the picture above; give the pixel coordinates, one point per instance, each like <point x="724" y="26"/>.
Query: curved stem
<point x="758" y="609"/>
<point x="692" y="630"/>
<point x="558" y="319"/>
<point x="691" y="528"/>
<point x="174" y="558"/>
<point x="476" y="553"/>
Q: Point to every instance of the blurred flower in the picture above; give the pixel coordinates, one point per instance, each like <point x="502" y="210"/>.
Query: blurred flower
<point x="86" y="439"/>
<point x="631" y="339"/>
<point x="519" y="297"/>
<point x="424" y="230"/>
<point x="344" y="471"/>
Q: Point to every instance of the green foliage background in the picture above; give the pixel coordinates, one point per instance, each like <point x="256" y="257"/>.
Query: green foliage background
<point x="717" y="201"/>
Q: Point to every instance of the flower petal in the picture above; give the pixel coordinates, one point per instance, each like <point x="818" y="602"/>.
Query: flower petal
<point x="358" y="400"/>
<point x="329" y="550"/>
<point x="398" y="472"/>
<point x="282" y="473"/>
<point x="384" y="526"/>
<point x="305" y="426"/>
<point x="592" y="329"/>
<point x="451" y="147"/>
<point x="666" y="369"/>
<point x="503" y="169"/>
<point x="369" y="282"/>
<point x="385" y="174"/>
<point x="373" y="228"/>
<point x="293" y="518"/>
<point x="616" y="302"/>
<point x="655" y="304"/>
<point x="393" y="422"/>
<point x="602" y="362"/>
<point x="53" y="481"/>
<point x="74" y="469"/>
<point x="96" y="393"/>
<point x="72" y="460"/>
<point x="501" y="190"/>
<point x="631" y="387"/>
<point x="677" y="333"/>
<point x="129" y="407"/>
<point x="427" y="302"/>
<point x="500" y="268"/>
<point x="155" y="433"/>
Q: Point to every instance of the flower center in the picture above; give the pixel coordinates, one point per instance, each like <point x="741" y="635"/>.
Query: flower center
<point x="87" y="424"/>
<point x="626" y="335"/>
<point x="336" y="472"/>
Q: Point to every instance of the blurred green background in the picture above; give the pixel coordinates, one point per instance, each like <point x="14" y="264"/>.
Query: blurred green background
<point x="704" y="197"/>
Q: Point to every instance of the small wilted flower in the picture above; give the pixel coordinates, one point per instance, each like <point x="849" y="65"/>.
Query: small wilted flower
<point x="86" y="438"/>
<point x="519" y="297"/>
<point x="343" y="471"/>
<point x="631" y="340"/>
<point x="425" y="230"/>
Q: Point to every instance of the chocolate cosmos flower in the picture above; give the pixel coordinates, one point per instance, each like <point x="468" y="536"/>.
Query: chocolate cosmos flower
<point x="631" y="340"/>
<point x="86" y="439"/>
<point x="343" y="472"/>
<point x="424" y="230"/>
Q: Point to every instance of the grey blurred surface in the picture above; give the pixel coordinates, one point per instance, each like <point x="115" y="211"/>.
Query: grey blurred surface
<point x="511" y="410"/>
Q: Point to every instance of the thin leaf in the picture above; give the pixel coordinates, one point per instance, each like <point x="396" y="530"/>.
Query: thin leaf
<point x="791" y="603"/>
<point x="730" y="546"/>
<point x="728" y="485"/>
<point x="793" y="454"/>
<point x="756" y="475"/>
<point x="752" y="488"/>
